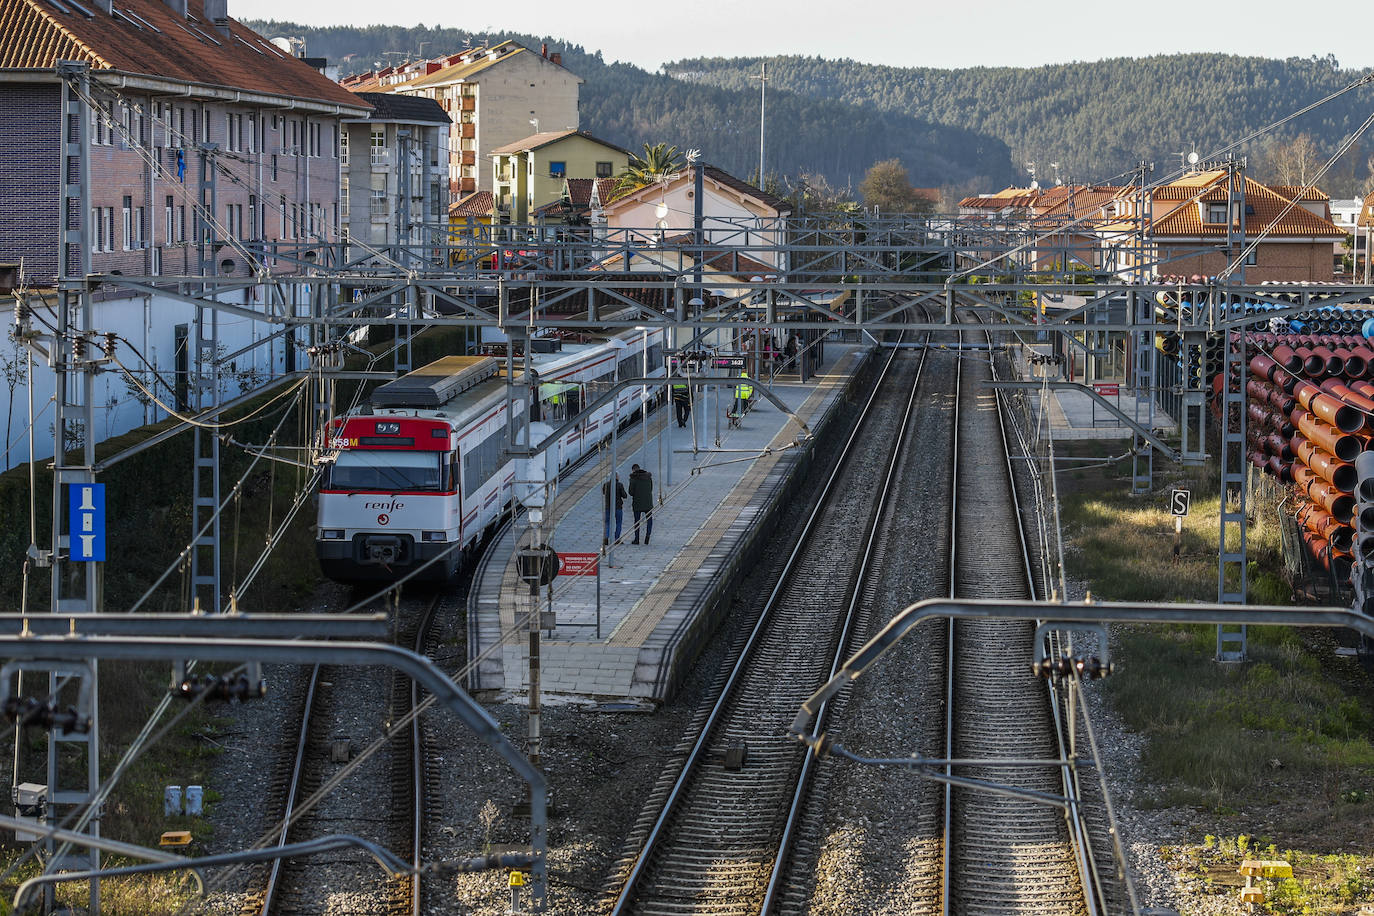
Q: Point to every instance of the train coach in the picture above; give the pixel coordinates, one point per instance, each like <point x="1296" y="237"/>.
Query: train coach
<point x="425" y="468"/>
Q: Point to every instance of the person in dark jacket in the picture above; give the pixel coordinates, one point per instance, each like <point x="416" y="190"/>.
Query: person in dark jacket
<point x="642" y="501"/>
<point x="682" y="401"/>
<point x="620" y="495"/>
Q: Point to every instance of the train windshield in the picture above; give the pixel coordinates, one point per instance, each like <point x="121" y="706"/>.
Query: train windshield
<point x="361" y="469"/>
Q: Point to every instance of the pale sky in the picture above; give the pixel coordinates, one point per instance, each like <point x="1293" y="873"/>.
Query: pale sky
<point x="962" y="33"/>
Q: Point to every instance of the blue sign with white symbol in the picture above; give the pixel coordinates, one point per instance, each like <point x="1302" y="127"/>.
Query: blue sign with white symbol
<point x="86" y="521"/>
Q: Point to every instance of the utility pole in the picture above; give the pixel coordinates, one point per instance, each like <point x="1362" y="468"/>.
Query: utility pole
<point x="76" y="569"/>
<point x="763" y="109"/>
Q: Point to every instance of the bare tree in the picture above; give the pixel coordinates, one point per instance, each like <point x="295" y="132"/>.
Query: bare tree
<point x="13" y="370"/>
<point x="1293" y="162"/>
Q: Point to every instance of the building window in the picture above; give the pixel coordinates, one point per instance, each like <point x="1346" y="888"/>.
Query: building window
<point x="253" y="226"/>
<point x="141" y="228"/>
<point x="128" y="223"/>
<point x="604" y="169"/>
<point x="558" y="169"/>
<point x="379" y="151"/>
<point x="205" y="125"/>
<point x="1252" y="258"/>
<point x="1216" y="213"/>
<point x="169" y="209"/>
<point x="274" y="166"/>
<point x="181" y="223"/>
<point x="378" y="210"/>
<point x="343" y="147"/>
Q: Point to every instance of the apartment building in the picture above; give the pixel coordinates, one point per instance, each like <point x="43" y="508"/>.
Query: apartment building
<point x="394" y="179"/>
<point x="493" y="95"/>
<point x="208" y="148"/>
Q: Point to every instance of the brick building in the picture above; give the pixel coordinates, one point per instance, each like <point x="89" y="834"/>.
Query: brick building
<point x="207" y="145"/>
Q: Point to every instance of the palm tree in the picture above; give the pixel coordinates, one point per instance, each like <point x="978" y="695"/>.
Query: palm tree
<point x="658" y="163"/>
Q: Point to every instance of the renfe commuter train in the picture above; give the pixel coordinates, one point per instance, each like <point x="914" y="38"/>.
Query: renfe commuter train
<point x="427" y="464"/>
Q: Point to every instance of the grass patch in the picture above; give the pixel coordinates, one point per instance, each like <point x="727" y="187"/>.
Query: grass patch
<point x="1321" y="883"/>
<point x="1290" y="719"/>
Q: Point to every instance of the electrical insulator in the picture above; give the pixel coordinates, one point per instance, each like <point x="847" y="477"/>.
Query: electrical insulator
<point x="78" y="348"/>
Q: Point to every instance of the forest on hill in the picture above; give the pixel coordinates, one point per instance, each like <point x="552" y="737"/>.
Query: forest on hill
<point x="964" y="130"/>
<point x="624" y="104"/>
<point x="1098" y="119"/>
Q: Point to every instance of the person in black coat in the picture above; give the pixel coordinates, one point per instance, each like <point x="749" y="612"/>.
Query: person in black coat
<point x="620" y="495"/>
<point x="642" y="501"/>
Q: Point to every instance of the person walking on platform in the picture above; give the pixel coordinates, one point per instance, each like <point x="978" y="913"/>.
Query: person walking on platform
<point x="682" y="401"/>
<point x="743" y="393"/>
<point x="620" y="495"/>
<point x="642" y="501"/>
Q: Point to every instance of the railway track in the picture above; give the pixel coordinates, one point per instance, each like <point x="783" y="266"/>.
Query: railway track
<point x="1003" y="853"/>
<point x="723" y="823"/>
<point x="338" y="714"/>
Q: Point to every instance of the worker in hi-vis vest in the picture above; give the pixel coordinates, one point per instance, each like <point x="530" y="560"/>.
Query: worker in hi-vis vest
<point x="682" y="402"/>
<point x="743" y="392"/>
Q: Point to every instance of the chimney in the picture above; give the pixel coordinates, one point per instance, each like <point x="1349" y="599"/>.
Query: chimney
<point x="217" y="11"/>
<point x="544" y="49"/>
<point x="556" y="58"/>
<point x="177" y="6"/>
<point x="105" y="6"/>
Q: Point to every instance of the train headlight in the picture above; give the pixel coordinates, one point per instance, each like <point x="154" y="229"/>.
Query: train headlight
<point x="433" y="536"/>
<point x="332" y="534"/>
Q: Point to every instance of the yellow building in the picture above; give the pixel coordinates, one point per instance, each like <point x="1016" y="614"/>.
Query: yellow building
<point x="530" y="173"/>
<point x="469" y="228"/>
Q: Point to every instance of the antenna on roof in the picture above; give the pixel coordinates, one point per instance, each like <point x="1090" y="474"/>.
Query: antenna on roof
<point x="1058" y="182"/>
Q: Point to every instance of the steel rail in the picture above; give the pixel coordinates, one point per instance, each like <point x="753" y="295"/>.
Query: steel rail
<point x="695" y="755"/>
<point x="851" y="615"/>
<point x="293" y="789"/>
<point x="1073" y="814"/>
<point x="947" y="815"/>
<point x="1027" y="577"/>
<point x="417" y="765"/>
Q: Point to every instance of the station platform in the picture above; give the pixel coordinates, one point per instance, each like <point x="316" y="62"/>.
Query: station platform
<point x="716" y="491"/>
<point x="1074" y="414"/>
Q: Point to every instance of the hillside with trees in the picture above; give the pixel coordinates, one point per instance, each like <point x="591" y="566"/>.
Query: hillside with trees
<point x="1097" y="120"/>
<point x="629" y="106"/>
<point x="963" y="130"/>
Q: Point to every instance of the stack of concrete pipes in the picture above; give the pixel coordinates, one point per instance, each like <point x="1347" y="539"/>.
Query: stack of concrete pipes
<point x="1310" y="411"/>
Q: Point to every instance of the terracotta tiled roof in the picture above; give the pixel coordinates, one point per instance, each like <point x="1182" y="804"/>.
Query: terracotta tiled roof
<point x="1078" y="200"/>
<point x="147" y="37"/>
<point x="467" y="64"/>
<point x="536" y="141"/>
<point x="1016" y="198"/>
<point x="478" y="203"/>
<point x="580" y="191"/>
<point x="1188" y="185"/>
<point x="1291" y="191"/>
<point x="1266" y="204"/>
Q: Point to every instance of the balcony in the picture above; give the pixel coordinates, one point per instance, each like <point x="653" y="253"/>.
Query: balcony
<point x="381" y="160"/>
